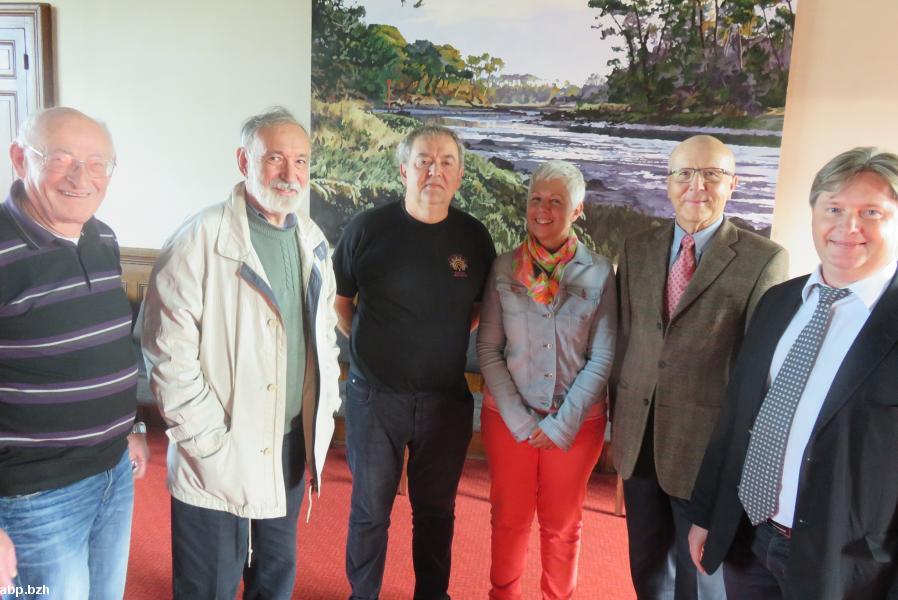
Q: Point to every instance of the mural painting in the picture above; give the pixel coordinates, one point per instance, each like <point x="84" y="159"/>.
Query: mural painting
<point x="611" y="85"/>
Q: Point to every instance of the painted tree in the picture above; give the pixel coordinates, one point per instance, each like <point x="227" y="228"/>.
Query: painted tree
<point x="337" y="29"/>
<point x="637" y="23"/>
<point x="729" y="55"/>
<point x="378" y="58"/>
<point x="455" y="71"/>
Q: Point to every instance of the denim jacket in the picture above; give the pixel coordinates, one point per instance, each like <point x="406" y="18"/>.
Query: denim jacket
<point x="536" y="358"/>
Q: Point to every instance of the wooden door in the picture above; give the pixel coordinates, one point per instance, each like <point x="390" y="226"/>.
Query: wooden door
<point x="26" y="83"/>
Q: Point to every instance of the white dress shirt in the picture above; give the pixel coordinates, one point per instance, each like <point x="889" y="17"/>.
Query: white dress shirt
<point x="848" y="317"/>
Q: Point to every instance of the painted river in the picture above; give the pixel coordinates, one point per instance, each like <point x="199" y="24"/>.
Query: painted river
<point x="624" y="165"/>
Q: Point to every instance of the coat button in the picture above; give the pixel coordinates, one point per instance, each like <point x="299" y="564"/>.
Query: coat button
<point x="547" y="315"/>
<point x="548" y="346"/>
<point x="659" y="325"/>
<point x="271" y="387"/>
<point x="272" y="323"/>
<point x="661" y="364"/>
<point x="266" y="451"/>
<point x="645" y="401"/>
<point x="548" y="376"/>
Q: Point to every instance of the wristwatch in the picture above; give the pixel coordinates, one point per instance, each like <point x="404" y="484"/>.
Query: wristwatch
<point x="139" y="427"/>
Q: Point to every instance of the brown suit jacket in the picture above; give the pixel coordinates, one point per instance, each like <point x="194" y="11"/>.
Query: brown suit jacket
<point x="683" y="368"/>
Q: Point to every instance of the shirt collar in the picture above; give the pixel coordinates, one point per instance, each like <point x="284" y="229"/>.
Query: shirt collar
<point x="34" y="233"/>
<point x="581" y="254"/>
<point x="289" y="221"/>
<point x="702" y="238"/>
<point x="867" y="290"/>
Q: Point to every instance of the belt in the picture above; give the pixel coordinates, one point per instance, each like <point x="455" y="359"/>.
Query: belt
<point x="784" y="531"/>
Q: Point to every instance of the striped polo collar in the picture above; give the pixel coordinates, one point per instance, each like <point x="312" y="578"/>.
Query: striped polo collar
<point x="33" y="234"/>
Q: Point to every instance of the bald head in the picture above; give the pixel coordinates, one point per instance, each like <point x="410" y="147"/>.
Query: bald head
<point x="703" y="145"/>
<point x="64" y="159"/>
<point x="39" y="125"/>
<point x="701" y="181"/>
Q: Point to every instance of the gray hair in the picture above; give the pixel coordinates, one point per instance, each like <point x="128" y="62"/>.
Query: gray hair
<point x="404" y="149"/>
<point x="276" y="115"/>
<point x="565" y="172"/>
<point x="839" y="171"/>
<point x="32" y="131"/>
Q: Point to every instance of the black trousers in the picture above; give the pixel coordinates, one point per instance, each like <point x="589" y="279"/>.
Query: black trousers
<point x="210" y="547"/>
<point x="657" y="530"/>
<point x="436" y="428"/>
<point x="755" y="566"/>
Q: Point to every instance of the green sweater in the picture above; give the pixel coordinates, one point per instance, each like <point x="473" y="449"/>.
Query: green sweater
<point x="278" y="250"/>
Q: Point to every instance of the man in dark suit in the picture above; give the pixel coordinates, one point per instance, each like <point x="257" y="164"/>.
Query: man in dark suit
<point x="686" y="290"/>
<point x="798" y="491"/>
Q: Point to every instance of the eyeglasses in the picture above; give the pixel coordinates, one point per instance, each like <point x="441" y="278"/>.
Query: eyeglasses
<point x="426" y="162"/>
<point x="65" y="163"/>
<point x="709" y="174"/>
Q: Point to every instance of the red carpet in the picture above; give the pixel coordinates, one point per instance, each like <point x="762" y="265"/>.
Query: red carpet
<point x="603" y="563"/>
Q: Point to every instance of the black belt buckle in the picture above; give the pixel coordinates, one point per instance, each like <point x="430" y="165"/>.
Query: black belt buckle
<point x="784" y="531"/>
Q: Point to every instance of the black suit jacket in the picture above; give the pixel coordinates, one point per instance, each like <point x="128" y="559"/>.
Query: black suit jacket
<point x="845" y="532"/>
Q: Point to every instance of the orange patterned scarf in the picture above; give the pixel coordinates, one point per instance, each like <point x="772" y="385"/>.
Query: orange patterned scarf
<point x="539" y="270"/>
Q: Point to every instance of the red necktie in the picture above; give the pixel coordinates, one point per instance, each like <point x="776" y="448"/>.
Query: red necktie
<point x="680" y="274"/>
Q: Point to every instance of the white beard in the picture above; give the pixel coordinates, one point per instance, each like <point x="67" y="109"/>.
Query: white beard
<point x="268" y="198"/>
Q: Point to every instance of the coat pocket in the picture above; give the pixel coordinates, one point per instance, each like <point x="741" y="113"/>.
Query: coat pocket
<point x="513" y="298"/>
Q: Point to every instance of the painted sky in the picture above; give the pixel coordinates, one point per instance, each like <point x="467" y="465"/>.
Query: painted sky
<point x="551" y="39"/>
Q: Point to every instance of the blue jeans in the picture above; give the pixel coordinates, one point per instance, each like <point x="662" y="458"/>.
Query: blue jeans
<point x="436" y="428"/>
<point x="73" y="541"/>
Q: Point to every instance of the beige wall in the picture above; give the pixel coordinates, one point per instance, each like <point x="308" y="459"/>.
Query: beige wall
<point x="173" y="80"/>
<point x="843" y="92"/>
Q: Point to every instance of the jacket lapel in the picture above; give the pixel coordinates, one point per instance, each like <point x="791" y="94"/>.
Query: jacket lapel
<point x="655" y="254"/>
<point x="233" y="234"/>
<point x="878" y="336"/>
<point x="715" y="258"/>
<point x="234" y="242"/>
<point x="313" y="286"/>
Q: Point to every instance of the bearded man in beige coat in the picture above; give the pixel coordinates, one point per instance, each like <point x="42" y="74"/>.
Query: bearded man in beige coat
<point x="687" y="291"/>
<point x="238" y="332"/>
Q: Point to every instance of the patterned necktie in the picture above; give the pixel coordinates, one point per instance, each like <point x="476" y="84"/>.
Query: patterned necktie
<point x="680" y="274"/>
<point x="763" y="471"/>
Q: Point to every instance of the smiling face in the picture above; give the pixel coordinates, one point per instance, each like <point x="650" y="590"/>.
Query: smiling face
<point x="276" y="167"/>
<point x="700" y="203"/>
<point x="550" y="213"/>
<point x="855" y="230"/>
<point x="431" y="176"/>
<point x="63" y="201"/>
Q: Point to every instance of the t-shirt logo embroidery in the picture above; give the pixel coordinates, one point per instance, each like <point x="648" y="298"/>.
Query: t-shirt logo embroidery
<point x="459" y="265"/>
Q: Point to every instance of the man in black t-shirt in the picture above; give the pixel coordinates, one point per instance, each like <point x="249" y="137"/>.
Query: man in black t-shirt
<point x="418" y="268"/>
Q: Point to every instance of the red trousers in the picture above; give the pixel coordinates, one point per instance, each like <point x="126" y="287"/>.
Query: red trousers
<point x="551" y="483"/>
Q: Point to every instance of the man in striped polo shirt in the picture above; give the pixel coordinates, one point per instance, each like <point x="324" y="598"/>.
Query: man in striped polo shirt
<point x="67" y="370"/>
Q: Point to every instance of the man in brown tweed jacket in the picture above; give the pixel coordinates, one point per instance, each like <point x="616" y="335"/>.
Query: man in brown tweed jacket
<point x="674" y="353"/>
